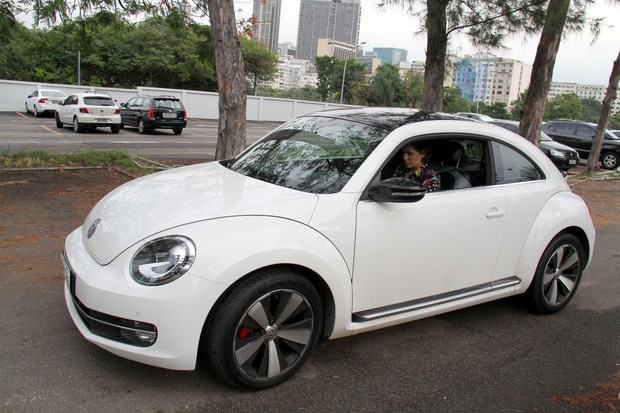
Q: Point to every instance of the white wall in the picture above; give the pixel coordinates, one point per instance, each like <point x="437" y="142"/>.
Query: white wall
<point x="201" y="105"/>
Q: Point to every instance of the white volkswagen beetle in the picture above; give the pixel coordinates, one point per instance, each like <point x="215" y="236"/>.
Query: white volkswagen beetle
<point x="307" y="235"/>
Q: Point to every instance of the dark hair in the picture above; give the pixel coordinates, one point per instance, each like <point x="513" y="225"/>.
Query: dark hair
<point x="422" y="147"/>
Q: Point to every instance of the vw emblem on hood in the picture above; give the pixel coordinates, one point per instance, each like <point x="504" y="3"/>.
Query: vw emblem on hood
<point x="92" y="228"/>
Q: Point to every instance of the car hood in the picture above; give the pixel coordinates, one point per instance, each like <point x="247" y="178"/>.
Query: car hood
<point x="556" y="146"/>
<point x="165" y="200"/>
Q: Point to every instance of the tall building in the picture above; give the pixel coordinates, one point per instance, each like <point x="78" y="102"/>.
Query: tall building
<point x="337" y="21"/>
<point x="391" y="55"/>
<point x="490" y="79"/>
<point x="266" y="27"/>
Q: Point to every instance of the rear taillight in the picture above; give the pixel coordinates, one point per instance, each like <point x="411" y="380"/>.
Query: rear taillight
<point x="151" y="113"/>
<point x="117" y="111"/>
<point x="83" y="110"/>
<point x="184" y="115"/>
<point x="42" y="100"/>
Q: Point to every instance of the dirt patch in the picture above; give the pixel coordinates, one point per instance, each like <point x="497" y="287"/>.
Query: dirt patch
<point x="603" y="198"/>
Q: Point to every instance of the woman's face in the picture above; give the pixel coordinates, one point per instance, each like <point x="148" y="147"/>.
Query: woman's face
<point x="412" y="158"/>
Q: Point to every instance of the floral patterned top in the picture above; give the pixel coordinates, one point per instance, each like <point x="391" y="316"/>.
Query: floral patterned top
<point x="424" y="175"/>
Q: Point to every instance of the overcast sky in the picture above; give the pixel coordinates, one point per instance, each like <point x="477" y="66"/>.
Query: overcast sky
<point x="578" y="61"/>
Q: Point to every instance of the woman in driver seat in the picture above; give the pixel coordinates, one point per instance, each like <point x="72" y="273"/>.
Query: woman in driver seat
<point x="414" y="166"/>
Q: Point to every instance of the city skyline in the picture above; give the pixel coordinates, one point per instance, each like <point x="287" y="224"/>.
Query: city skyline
<point x="577" y="61"/>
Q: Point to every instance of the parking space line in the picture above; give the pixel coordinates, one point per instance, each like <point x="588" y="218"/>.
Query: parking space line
<point x="22" y="115"/>
<point x="50" y="130"/>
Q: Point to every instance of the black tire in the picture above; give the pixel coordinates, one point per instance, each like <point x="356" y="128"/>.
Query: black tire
<point x="287" y="316"/>
<point x="27" y="110"/>
<point x="177" y="131"/>
<point x="609" y="160"/>
<point x="58" y="122"/>
<point x="35" y="112"/>
<point x="77" y="126"/>
<point x="557" y="275"/>
<point x="115" y="129"/>
<point x="141" y="128"/>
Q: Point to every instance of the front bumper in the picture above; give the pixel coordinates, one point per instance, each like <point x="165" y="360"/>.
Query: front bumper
<point x="110" y="309"/>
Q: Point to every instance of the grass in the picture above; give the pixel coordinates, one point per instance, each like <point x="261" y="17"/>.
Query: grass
<point x="43" y="159"/>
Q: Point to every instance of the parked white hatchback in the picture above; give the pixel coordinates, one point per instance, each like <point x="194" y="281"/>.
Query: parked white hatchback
<point x="43" y="101"/>
<point x="86" y="111"/>
<point x="307" y="235"/>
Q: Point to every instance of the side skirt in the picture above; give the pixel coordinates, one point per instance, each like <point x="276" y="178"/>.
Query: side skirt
<point x="434" y="300"/>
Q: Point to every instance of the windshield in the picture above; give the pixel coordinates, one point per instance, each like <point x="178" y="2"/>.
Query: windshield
<point x="310" y="154"/>
<point x="545" y="138"/>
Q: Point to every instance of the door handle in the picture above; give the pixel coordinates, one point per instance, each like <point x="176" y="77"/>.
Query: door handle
<point x="495" y="213"/>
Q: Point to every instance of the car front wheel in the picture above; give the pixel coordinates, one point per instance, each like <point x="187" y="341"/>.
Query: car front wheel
<point x="264" y="330"/>
<point x="609" y="160"/>
<point x="557" y="275"/>
<point x="58" y="122"/>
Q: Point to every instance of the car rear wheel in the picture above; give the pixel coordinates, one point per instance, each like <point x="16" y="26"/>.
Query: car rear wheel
<point x="77" y="127"/>
<point x="115" y="129"/>
<point x="609" y="160"/>
<point x="36" y="112"/>
<point x="177" y="131"/>
<point x="264" y="330"/>
<point x="557" y="275"/>
<point x="141" y="128"/>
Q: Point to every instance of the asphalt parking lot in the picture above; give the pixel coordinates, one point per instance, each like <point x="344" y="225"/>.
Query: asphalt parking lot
<point x="493" y="357"/>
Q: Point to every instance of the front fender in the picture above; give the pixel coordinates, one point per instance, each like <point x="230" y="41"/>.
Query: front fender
<point x="228" y="249"/>
<point x="564" y="211"/>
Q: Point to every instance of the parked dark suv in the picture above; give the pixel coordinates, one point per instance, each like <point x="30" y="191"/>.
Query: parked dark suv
<point x="580" y="135"/>
<point x="562" y="156"/>
<point x="154" y="112"/>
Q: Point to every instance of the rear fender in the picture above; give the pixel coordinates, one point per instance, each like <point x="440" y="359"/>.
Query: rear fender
<point x="563" y="212"/>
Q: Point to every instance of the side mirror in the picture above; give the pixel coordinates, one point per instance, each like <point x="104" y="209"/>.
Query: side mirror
<point x="397" y="190"/>
<point x="123" y="105"/>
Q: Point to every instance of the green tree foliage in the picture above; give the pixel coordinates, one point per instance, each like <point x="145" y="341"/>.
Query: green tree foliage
<point x="386" y="85"/>
<point x="591" y="110"/>
<point x="156" y="52"/>
<point x="453" y="101"/>
<point x="566" y="106"/>
<point x="614" y="121"/>
<point x="330" y="72"/>
<point x="260" y="62"/>
<point x="498" y="110"/>
<point x="412" y="90"/>
<point x="325" y="68"/>
<point x="517" y="105"/>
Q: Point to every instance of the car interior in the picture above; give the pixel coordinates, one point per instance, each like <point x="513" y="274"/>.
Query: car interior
<point x="461" y="163"/>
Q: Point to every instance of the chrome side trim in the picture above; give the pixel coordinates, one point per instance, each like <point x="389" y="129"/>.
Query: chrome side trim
<point x="435" y="300"/>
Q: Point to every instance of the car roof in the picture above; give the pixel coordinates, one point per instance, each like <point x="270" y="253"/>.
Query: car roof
<point x="385" y="118"/>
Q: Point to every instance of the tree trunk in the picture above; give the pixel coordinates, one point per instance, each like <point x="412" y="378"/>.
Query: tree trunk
<point x="533" y="108"/>
<point x="436" y="50"/>
<point x="230" y="79"/>
<point x="603" y="120"/>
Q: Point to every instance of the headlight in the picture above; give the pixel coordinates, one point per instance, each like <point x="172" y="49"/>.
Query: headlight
<point x="557" y="154"/>
<point x="163" y="260"/>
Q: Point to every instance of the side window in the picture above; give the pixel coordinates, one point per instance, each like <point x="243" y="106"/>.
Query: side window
<point x="459" y="162"/>
<point x="567" y="128"/>
<point x="511" y="166"/>
<point x="585" y="131"/>
<point x="131" y="102"/>
<point x="68" y="100"/>
<point x="74" y="100"/>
